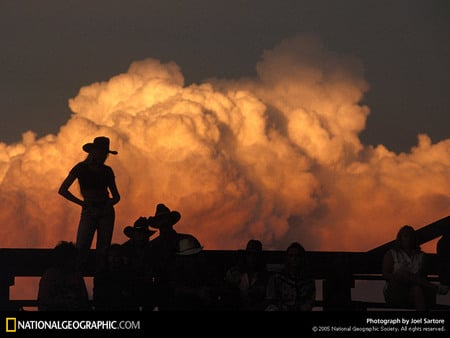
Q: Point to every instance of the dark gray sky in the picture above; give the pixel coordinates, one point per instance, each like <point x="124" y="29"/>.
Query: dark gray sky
<point x="51" y="48"/>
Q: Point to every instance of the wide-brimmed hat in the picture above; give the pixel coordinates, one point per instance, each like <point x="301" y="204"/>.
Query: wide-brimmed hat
<point x="100" y="142"/>
<point x="164" y="217"/>
<point x="140" y="224"/>
<point x="188" y="245"/>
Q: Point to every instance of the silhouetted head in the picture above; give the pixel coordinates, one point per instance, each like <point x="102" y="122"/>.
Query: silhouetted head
<point x="407" y="238"/>
<point x="295" y="256"/>
<point x="253" y="254"/>
<point x="65" y="255"/>
<point x="164" y="218"/>
<point x="254" y="246"/>
<point x="139" y="231"/>
<point x="98" y="150"/>
<point x="188" y="245"/>
<point x="100" y="144"/>
<point x="116" y="257"/>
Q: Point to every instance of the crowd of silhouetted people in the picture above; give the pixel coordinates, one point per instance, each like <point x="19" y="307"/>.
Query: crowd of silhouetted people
<point x="171" y="272"/>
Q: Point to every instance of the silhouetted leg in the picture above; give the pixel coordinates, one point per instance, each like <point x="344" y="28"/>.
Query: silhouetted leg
<point x="85" y="234"/>
<point x="104" y="235"/>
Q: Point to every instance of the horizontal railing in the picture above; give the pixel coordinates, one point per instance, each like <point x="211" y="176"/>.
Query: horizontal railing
<point x="337" y="271"/>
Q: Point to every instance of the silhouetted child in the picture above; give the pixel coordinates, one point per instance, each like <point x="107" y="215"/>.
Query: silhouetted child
<point x="62" y="287"/>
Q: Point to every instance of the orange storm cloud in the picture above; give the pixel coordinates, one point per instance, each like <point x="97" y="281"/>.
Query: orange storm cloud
<point x="275" y="157"/>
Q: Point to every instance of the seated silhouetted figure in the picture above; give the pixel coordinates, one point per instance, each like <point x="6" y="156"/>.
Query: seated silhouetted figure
<point x="405" y="272"/>
<point x="138" y="250"/>
<point x="248" y="278"/>
<point x="191" y="279"/>
<point x="62" y="287"/>
<point x="165" y="245"/>
<point x="164" y="248"/>
<point x="292" y="289"/>
<point x="114" y="286"/>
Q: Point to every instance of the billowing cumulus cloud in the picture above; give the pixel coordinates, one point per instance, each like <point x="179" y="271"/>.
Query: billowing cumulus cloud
<point x="275" y="157"/>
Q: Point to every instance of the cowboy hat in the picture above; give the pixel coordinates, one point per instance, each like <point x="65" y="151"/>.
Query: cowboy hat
<point x="100" y="142"/>
<point x="188" y="245"/>
<point x="140" y="224"/>
<point x="163" y="217"/>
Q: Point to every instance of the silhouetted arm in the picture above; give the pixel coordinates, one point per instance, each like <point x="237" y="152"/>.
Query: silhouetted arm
<point x="403" y="275"/>
<point x="64" y="190"/>
<point x="114" y="192"/>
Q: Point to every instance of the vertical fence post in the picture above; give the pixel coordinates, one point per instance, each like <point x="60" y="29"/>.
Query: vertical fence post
<point x="6" y="280"/>
<point x="338" y="284"/>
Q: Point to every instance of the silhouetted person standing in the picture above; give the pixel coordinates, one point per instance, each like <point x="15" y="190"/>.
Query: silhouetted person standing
<point x="99" y="195"/>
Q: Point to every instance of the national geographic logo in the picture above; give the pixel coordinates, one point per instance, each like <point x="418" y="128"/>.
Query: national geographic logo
<point x="11" y="324"/>
<point x="14" y="325"/>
